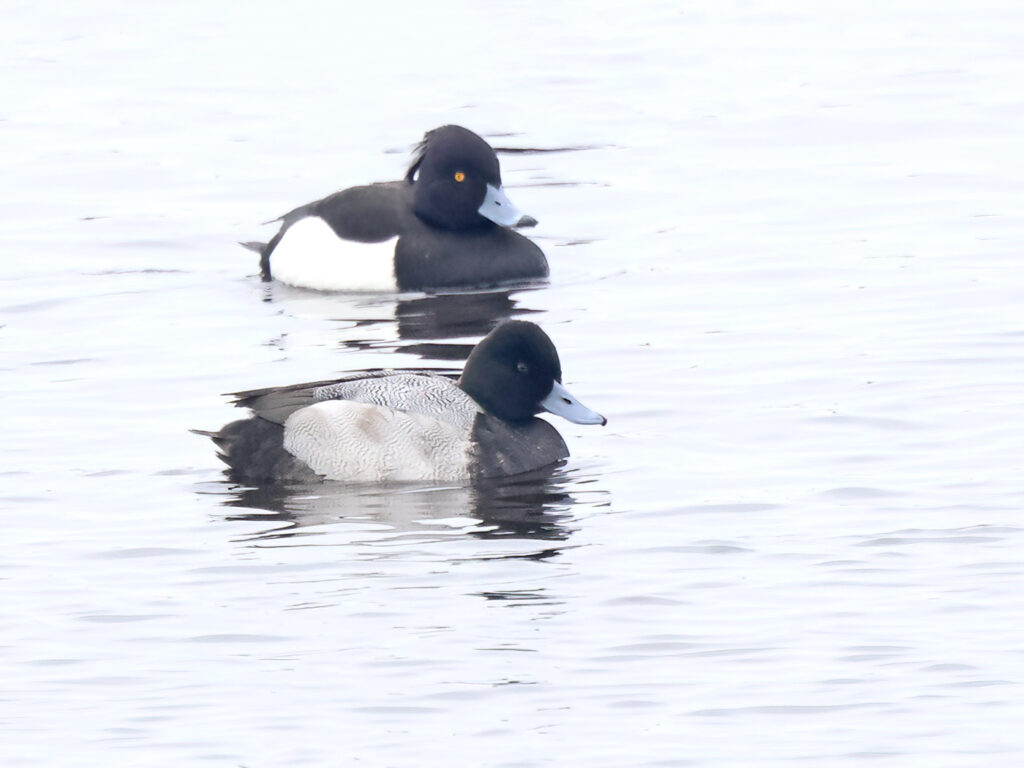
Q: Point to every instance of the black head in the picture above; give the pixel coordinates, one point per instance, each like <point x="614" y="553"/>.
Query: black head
<point x="512" y="370"/>
<point x="451" y="172"/>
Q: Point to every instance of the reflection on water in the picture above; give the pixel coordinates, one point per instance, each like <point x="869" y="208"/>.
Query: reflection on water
<point x="419" y="323"/>
<point x="536" y="505"/>
<point x="449" y="315"/>
<point x="453" y="315"/>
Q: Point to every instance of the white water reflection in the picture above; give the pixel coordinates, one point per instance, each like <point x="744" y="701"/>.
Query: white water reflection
<point x="533" y="506"/>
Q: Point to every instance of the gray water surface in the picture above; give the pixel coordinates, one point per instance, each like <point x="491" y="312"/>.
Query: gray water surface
<point x="785" y="242"/>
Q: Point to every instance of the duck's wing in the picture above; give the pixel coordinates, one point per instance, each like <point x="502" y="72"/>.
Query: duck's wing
<point x="368" y="213"/>
<point x="371" y="213"/>
<point x="410" y="391"/>
<point x="424" y="394"/>
<point x="276" y="404"/>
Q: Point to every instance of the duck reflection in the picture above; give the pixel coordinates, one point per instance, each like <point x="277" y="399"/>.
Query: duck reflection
<point x="422" y="325"/>
<point x="535" y="505"/>
<point x="424" y="322"/>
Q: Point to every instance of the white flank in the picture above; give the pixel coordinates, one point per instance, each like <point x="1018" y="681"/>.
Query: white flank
<point x="311" y="255"/>
<point x="356" y="442"/>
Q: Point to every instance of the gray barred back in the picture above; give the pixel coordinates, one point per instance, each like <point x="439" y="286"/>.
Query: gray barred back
<point x="423" y="394"/>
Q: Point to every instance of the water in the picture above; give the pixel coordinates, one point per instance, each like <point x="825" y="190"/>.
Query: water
<point x="785" y="249"/>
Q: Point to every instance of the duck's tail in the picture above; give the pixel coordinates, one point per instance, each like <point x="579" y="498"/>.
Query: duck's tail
<point x="254" y="451"/>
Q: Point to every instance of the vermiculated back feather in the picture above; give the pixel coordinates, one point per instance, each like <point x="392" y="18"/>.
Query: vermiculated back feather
<point x="417" y="392"/>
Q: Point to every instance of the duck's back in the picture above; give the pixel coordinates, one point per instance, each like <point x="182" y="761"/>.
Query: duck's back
<point x="421" y="394"/>
<point x="368" y="214"/>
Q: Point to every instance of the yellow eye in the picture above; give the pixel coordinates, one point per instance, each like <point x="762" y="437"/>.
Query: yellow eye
<point x="460" y="176"/>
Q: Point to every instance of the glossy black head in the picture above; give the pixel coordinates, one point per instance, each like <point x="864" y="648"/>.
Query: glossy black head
<point x="451" y="173"/>
<point x="512" y="370"/>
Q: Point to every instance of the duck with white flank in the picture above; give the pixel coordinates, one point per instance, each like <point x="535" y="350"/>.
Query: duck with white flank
<point x="447" y="224"/>
<point x="406" y="426"/>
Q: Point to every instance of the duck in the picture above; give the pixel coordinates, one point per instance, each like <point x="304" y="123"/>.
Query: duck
<point x="447" y="224"/>
<point x="399" y="426"/>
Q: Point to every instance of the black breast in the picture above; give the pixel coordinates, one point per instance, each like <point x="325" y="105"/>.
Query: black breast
<point x="504" y="449"/>
<point x="427" y="257"/>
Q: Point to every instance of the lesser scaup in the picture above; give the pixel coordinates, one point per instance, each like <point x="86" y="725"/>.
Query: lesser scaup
<point x="445" y="225"/>
<point x="408" y="426"/>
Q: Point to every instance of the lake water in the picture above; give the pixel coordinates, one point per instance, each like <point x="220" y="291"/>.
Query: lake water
<point x="785" y="245"/>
